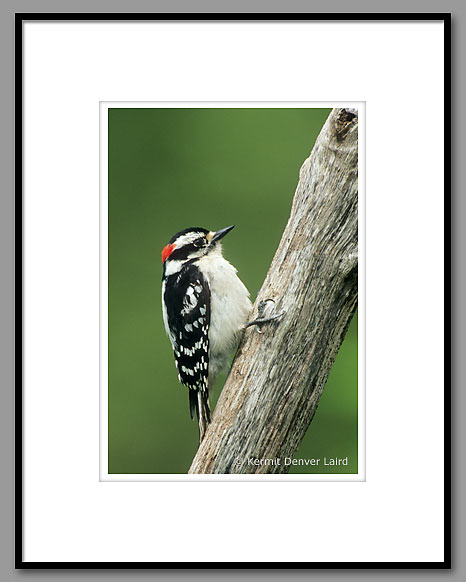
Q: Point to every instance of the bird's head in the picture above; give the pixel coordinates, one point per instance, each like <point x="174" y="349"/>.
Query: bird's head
<point x="192" y="243"/>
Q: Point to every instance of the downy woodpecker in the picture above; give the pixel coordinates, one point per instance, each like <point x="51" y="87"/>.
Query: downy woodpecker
<point x="205" y="306"/>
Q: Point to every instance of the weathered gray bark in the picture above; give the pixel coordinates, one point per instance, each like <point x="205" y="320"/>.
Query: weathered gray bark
<point x="277" y="377"/>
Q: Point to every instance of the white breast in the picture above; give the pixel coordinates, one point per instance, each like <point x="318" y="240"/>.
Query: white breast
<point x="230" y="308"/>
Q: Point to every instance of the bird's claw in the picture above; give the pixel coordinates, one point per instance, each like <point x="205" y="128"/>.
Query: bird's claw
<point x="263" y="316"/>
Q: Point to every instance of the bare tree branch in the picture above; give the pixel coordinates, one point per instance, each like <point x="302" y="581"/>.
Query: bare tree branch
<point x="277" y="377"/>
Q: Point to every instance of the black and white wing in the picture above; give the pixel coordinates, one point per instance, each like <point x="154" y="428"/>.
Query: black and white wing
<point x="187" y="319"/>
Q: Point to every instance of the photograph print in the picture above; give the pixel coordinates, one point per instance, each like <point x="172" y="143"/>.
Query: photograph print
<point x="232" y="298"/>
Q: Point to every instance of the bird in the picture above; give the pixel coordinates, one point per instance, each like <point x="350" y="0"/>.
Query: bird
<point x="205" y="307"/>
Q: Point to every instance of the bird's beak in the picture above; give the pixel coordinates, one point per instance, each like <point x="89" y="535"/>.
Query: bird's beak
<point x="221" y="233"/>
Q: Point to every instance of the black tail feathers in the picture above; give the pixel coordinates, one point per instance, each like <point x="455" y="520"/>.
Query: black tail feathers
<point x="199" y="402"/>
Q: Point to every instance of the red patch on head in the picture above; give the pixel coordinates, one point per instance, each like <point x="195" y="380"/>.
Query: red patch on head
<point x="167" y="251"/>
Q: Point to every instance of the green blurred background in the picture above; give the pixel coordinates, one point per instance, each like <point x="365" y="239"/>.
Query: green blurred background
<point x="174" y="168"/>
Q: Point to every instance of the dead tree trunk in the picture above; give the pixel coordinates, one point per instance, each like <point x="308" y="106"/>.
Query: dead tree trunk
<point x="277" y="377"/>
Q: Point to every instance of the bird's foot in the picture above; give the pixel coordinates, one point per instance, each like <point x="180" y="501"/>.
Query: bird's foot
<point x="265" y="314"/>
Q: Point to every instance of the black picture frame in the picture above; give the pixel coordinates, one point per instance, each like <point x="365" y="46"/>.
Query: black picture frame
<point x="20" y="19"/>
